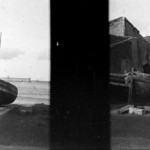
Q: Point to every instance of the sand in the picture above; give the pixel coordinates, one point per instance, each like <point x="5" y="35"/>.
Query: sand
<point x="24" y="124"/>
<point x="32" y="92"/>
<point x="129" y="131"/>
<point x="30" y="129"/>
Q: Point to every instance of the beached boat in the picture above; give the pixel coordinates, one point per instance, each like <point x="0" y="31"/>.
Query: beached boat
<point x="118" y="89"/>
<point x="141" y="88"/>
<point x="134" y="85"/>
<point x="8" y="92"/>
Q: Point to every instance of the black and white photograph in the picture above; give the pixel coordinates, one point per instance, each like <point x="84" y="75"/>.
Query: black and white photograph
<point x="79" y="100"/>
<point x="129" y="74"/>
<point x="24" y="74"/>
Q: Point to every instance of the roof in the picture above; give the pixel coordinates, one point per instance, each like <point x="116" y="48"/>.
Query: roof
<point x="125" y="20"/>
<point x="117" y="19"/>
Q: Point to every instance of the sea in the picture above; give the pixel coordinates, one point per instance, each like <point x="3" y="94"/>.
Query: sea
<point x="32" y="92"/>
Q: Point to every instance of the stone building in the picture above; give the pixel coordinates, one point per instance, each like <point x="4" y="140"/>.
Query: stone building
<point x="123" y="56"/>
<point x="128" y="48"/>
<point x="122" y="27"/>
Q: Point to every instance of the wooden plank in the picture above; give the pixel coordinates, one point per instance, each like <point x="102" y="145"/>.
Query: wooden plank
<point x="117" y="81"/>
<point x="141" y="80"/>
<point x="119" y="84"/>
<point x="118" y="78"/>
<point x="116" y="74"/>
<point x="137" y="111"/>
<point x="147" y="108"/>
<point x="124" y="109"/>
<point x="130" y="96"/>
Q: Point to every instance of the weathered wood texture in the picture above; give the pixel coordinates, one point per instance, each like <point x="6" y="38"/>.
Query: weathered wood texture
<point x="8" y="92"/>
<point x="142" y="92"/>
<point x="118" y="90"/>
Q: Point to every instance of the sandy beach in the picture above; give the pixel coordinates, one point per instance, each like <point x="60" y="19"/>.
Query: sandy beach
<point x="129" y="131"/>
<point x="34" y="92"/>
<point x="24" y="124"/>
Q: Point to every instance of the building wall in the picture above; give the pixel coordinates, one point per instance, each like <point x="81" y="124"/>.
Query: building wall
<point x="116" y="27"/>
<point x="143" y="46"/>
<point x="121" y="58"/>
<point x="116" y="39"/>
<point x="140" y="47"/>
<point x="148" y="53"/>
<point x="130" y="30"/>
<point x="122" y="27"/>
<point x="125" y="56"/>
<point x="136" y="55"/>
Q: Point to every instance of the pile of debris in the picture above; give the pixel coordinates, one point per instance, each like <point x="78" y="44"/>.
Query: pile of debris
<point x="131" y="109"/>
<point x="29" y="109"/>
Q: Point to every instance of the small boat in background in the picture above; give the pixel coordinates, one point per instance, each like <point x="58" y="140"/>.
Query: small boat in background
<point x="8" y="92"/>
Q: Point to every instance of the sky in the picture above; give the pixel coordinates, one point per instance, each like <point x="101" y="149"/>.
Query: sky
<point x="136" y="11"/>
<point x="25" y="39"/>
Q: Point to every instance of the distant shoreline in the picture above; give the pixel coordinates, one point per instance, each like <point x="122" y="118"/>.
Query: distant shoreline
<point x="9" y="79"/>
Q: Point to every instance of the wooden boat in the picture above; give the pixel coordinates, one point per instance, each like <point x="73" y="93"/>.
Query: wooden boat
<point x="8" y="92"/>
<point x="135" y="86"/>
<point x="118" y="90"/>
<point x="141" y="89"/>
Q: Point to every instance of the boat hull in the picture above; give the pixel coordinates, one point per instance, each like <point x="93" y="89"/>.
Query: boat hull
<point x="118" y="90"/>
<point x="8" y="92"/>
<point x="141" y="91"/>
<point x="118" y="94"/>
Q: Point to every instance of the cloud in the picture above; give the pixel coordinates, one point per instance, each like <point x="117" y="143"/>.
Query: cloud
<point x="25" y="68"/>
<point x="10" y="53"/>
